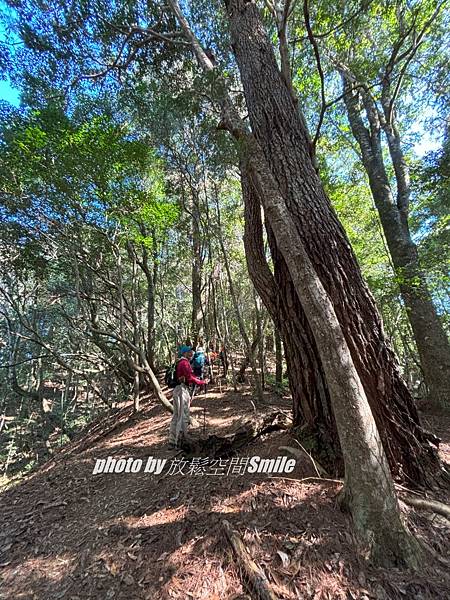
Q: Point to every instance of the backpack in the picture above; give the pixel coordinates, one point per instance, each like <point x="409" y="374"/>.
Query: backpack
<point x="171" y="376"/>
<point x="199" y="360"/>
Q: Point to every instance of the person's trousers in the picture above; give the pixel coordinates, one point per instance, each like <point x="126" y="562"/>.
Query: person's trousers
<point x="181" y="414"/>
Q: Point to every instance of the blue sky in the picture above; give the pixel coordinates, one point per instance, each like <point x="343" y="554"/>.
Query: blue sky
<point x="8" y="93"/>
<point x="428" y="142"/>
<point x="9" y="38"/>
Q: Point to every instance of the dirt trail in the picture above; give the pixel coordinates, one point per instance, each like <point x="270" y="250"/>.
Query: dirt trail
<point x="66" y="533"/>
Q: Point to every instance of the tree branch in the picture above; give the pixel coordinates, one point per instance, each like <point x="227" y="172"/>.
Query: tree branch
<point x="315" y="47"/>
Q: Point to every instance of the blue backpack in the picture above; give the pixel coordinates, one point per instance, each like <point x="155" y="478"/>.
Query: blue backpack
<point x="198" y="360"/>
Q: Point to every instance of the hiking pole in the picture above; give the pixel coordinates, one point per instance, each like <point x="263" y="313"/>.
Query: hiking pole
<point x="193" y="392"/>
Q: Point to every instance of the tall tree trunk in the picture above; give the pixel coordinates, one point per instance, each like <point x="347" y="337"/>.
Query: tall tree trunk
<point x="136" y="392"/>
<point x="310" y="396"/>
<point x="137" y="338"/>
<point x="279" y="131"/>
<point x="430" y="337"/>
<point x="197" y="264"/>
<point x="376" y="516"/>
<point x="216" y="329"/>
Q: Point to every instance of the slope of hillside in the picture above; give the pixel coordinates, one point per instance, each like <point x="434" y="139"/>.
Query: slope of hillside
<point x="69" y="534"/>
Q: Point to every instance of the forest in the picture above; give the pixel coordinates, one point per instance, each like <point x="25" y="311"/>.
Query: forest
<point x="225" y="248"/>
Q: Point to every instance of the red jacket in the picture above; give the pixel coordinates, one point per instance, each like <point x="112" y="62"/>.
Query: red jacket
<point x="184" y="370"/>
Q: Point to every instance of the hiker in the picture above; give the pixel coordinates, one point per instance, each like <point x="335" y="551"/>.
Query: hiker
<point x="182" y="397"/>
<point x="199" y="362"/>
<point x="200" y="365"/>
<point x="186" y="343"/>
<point x="213" y="356"/>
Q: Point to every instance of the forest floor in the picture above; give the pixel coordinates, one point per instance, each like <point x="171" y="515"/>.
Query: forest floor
<point x="68" y="534"/>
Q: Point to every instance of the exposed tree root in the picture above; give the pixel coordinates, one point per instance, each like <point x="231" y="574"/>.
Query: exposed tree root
<point x="254" y="576"/>
<point x="433" y="505"/>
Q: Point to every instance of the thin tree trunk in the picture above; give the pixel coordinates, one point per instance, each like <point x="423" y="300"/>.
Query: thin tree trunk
<point x="151" y="274"/>
<point x="242" y="329"/>
<point x="269" y="341"/>
<point x="214" y="307"/>
<point x="226" y="345"/>
<point x="196" y="319"/>
<point x="260" y="329"/>
<point x="138" y="340"/>
<point x="278" y="358"/>
<point x="136" y="392"/>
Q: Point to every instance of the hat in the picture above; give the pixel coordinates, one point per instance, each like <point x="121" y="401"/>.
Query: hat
<point x="200" y="349"/>
<point x="184" y="349"/>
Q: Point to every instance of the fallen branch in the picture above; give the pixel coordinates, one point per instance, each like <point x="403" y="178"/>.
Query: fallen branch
<point x="437" y="507"/>
<point x="253" y="573"/>
<point x="304" y="479"/>
<point x="250" y="430"/>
